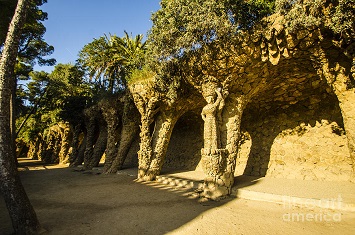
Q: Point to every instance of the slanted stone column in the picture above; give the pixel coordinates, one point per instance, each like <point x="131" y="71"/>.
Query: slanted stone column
<point x="221" y="127"/>
<point x="154" y="145"/>
<point x="347" y="106"/>
<point x="90" y="125"/>
<point x="232" y="116"/>
<point x="99" y="146"/>
<point x="95" y="142"/>
<point x="164" y="125"/>
<point x="80" y="155"/>
<point x="147" y="107"/>
<point x="110" y="113"/>
<point x="66" y="138"/>
<point x="339" y="72"/>
<point x="130" y="128"/>
<point x="74" y="159"/>
<point x="159" y="115"/>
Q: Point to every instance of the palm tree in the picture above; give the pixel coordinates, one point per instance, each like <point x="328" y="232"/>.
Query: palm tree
<point x="110" y="59"/>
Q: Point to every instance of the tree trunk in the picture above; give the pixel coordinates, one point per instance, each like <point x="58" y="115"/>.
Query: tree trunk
<point x="23" y="216"/>
<point x="13" y="114"/>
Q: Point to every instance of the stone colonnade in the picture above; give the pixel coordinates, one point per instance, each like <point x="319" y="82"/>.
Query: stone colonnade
<point x="227" y="98"/>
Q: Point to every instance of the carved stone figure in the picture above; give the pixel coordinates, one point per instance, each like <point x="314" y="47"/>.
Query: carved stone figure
<point x="211" y="116"/>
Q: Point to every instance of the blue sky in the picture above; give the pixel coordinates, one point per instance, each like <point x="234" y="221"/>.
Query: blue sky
<point x="72" y="24"/>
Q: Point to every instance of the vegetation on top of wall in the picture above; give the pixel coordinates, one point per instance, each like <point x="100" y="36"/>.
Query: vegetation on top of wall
<point x="337" y="16"/>
<point x="183" y="26"/>
<point x="141" y="76"/>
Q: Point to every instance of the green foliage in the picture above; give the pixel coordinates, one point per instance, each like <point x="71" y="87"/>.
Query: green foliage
<point x="343" y="18"/>
<point x="300" y="13"/>
<point x="247" y="13"/>
<point x="32" y="129"/>
<point x="68" y="93"/>
<point x="335" y="15"/>
<point x="182" y="26"/>
<point x="111" y="59"/>
<point x="7" y="8"/>
<point x="57" y="97"/>
<point x="198" y="31"/>
<point x="32" y="47"/>
<point x="141" y="75"/>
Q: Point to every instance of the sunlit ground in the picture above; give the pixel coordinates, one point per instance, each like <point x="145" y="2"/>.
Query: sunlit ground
<point x="74" y="202"/>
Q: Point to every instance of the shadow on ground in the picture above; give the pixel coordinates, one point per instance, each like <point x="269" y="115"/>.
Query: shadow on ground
<point x="71" y="202"/>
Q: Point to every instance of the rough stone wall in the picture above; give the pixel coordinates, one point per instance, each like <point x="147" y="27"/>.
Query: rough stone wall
<point x="54" y="146"/>
<point x="184" y="151"/>
<point x="132" y="156"/>
<point x="304" y="141"/>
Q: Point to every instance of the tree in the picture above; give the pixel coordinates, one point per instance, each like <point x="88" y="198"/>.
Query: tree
<point x="6" y="11"/>
<point x="183" y="26"/>
<point x="195" y="35"/>
<point x="111" y="59"/>
<point x="32" y="47"/>
<point x="55" y="100"/>
<point x="23" y="216"/>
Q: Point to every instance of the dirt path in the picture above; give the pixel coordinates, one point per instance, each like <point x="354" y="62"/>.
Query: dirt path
<point x="70" y="202"/>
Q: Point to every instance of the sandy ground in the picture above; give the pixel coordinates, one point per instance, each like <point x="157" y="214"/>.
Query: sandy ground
<point x="71" y="202"/>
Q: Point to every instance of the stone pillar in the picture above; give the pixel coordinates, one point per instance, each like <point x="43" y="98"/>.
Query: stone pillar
<point x="217" y="183"/>
<point x="219" y="164"/>
<point x="347" y="106"/>
<point x="129" y="131"/>
<point x="90" y="125"/>
<point x="77" y="130"/>
<point x="147" y="108"/>
<point x="66" y="138"/>
<point x="340" y="77"/>
<point x="164" y="126"/>
<point x="99" y="146"/>
<point x="110" y="114"/>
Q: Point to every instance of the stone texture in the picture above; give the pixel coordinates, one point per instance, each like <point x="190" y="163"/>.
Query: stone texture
<point x="296" y="143"/>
